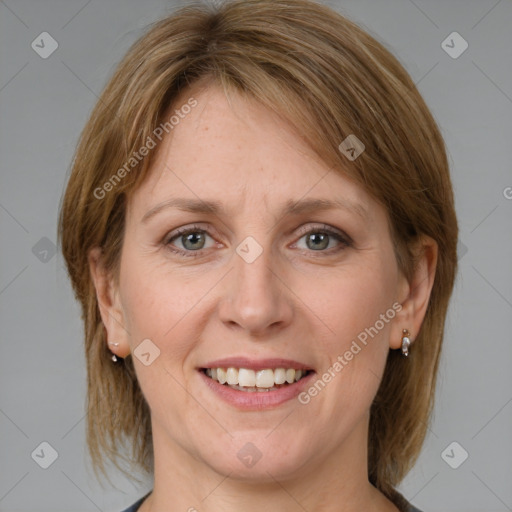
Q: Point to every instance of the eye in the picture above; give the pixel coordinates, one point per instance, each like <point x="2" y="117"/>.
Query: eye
<point x="188" y="240"/>
<point x="192" y="240"/>
<point x="320" y="238"/>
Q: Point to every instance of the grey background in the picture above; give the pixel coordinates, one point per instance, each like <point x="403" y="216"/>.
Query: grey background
<point x="44" y="104"/>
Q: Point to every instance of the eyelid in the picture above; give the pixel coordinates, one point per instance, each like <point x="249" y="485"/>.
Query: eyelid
<point x="321" y="227"/>
<point x="190" y="228"/>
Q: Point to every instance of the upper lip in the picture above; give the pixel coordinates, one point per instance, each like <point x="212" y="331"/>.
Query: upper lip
<point x="256" y="364"/>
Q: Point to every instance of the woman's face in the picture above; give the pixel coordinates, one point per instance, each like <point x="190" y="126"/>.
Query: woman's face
<point x="266" y="278"/>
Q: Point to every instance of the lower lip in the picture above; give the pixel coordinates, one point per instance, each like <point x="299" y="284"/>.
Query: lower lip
<point x="257" y="400"/>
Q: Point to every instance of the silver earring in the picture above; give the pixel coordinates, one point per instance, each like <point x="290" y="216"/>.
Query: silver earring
<point x="406" y="342"/>
<point x="113" y="344"/>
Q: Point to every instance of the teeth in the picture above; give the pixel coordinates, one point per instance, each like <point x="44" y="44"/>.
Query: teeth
<point x="264" y="379"/>
<point x="279" y="375"/>
<point x="261" y="380"/>
<point x="246" y="378"/>
<point x="222" y="375"/>
<point x="232" y="376"/>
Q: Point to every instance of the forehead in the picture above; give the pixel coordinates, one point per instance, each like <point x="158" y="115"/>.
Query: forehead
<point x="238" y="151"/>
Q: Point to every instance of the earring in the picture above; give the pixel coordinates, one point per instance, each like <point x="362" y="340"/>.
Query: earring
<point x="406" y="342"/>
<point x="114" y="357"/>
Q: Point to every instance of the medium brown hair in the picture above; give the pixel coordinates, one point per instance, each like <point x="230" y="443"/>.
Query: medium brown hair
<point x="330" y="79"/>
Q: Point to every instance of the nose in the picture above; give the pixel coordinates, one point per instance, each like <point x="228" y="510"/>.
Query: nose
<point x="256" y="298"/>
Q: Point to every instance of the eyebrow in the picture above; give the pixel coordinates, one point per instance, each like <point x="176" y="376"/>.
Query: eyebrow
<point x="290" y="208"/>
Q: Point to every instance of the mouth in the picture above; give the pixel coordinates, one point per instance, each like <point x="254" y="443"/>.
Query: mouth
<point x="251" y="384"/>
<point x="256" y="381"/>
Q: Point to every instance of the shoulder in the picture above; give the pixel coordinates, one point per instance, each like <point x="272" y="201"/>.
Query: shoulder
<point x="410" y="508"/>
<point x="136" y="505"/>
<point x="402" y="504"/>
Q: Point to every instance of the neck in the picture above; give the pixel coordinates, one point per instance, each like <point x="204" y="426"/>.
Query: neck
<point x="336" y="482"/>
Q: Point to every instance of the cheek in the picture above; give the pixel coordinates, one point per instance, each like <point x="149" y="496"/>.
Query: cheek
<point x="353" y="301"/>
<point x="167" y="306"/>
<point x="357" y="309"/>
<point x="157" y="306"/>
<point x="156" y="298"/>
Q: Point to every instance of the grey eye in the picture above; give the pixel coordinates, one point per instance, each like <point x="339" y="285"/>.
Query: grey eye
<point x="193" y="241"/>
<point x="317" y="241"/>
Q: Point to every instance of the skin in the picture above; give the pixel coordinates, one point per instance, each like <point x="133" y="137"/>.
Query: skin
<point x="294" y="301"/>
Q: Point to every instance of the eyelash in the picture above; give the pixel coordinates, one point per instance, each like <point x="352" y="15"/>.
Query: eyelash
<point x="345" y="240"/>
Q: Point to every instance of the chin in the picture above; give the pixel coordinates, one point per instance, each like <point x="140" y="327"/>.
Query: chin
<point x="260" y="461"/>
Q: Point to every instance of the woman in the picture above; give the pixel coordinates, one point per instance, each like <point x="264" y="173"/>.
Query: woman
<point x="260" y="228"/>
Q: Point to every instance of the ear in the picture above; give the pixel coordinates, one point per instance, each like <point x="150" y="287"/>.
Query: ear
<point x="109" y="304"/>
<point x="414" y="294"/>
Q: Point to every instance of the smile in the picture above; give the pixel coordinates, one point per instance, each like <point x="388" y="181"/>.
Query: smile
<point x="248" y="380"/>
